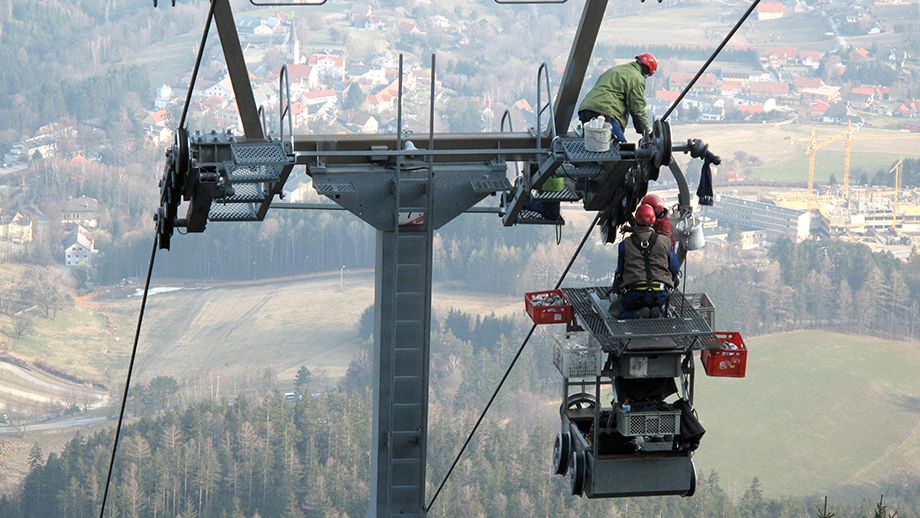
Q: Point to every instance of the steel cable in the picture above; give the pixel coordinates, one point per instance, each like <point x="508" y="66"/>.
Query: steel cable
<point x="508" y="370"/>
<point x="710" y="60"/>
<point x="124" y="400"/>
<point x="191" y="84"/>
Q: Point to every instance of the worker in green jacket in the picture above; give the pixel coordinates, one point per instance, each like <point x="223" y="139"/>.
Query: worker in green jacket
<point x="618" y="93"/>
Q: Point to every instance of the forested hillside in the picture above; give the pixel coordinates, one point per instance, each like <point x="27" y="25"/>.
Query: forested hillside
<point x="262" y="456"/>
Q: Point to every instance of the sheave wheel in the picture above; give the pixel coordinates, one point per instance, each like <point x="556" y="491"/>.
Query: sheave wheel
<point x="562" y="450"/>
<point x="580" y="401"/>
<point x="578" y="473"/>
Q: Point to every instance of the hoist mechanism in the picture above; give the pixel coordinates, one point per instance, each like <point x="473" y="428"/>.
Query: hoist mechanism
<point x="406" y="190"/>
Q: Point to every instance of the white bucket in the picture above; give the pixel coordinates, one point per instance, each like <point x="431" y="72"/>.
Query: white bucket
<point x="690" y="233"/>
<point x="597" y="140"/>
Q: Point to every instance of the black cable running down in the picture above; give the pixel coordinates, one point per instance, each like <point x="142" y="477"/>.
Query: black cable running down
<point x="711" y="58"/>
<point x="191" y="85"/>
<point x="508" y="370"/>
<point x="124" y="400"/>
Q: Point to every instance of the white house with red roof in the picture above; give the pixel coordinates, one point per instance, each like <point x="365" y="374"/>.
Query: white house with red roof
<point x="679" y="81"/>
<point x="299" y="114"/>
<point x="408" y="28"/>
<point x="157" y="118"/>
<point x="802" y="82"/>
<point x="859" y="54"/>
<point x="384" y="99"/>
<point x="303" y="75"/>
<point x="770" y="10"/>
<point x="329" y="62"/>
<point x="818" y="108"/>
<point x="319" y="97"/>
<point x="359" y="121"/>
<point x="371" y="23"/>
<point x="222" y="88"/>
<point x="777" y="55"/>
<point x="810" y="58"/>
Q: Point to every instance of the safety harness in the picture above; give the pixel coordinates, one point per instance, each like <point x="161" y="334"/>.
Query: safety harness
<point x="645" y="248"/>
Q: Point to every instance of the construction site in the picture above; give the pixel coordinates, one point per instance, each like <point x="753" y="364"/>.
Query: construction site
<point x="883" y="217"/>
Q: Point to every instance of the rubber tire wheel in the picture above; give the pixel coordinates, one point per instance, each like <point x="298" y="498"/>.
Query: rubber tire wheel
<point x="578" y="473"/>
<point x="581" y="401"/>
<point x="562" y="450"/>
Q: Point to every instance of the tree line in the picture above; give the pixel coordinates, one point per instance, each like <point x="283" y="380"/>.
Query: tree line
<point x="817" y="284"/>
<point x="265" y="456"/>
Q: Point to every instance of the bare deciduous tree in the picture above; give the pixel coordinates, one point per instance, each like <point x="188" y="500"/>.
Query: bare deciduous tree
<point x="22" y="324"/>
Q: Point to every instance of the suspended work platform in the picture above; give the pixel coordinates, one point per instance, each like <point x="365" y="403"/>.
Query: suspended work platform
<point x="628" y="424"/>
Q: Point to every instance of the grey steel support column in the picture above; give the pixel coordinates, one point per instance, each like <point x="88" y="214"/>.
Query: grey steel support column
<point x="400" y="420"/>
<point x="577" y="65"/>
<point x="236" y="67"/>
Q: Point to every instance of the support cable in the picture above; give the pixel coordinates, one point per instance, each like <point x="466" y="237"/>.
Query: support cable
<point x="508" y="370"/>
<point x="711" y="58"/>
<point x="124" y="400"/>
<point x="191" y="85"/>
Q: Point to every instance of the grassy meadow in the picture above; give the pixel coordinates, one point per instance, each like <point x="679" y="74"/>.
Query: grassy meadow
<point x="818" y="413"/>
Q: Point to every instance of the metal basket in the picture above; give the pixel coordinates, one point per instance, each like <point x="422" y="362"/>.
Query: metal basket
<point x="632" y="424"/>
<point x="577" y="355"/>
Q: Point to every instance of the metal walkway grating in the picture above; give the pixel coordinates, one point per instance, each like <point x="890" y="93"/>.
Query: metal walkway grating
<point x="253" y="173"/>
<point x="565" y="194"/>
<point x="574" y="149"/>
<point x="529" y="217"/>
<point x="232" y="212"/>
<point x="245" y="192"/>
<point x="684" y="324"/>
<point x="261" y="153"/>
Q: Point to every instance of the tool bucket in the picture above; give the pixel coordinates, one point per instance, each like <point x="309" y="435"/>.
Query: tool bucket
<point x="597" y="136"/>
<point x="690" y="232"/>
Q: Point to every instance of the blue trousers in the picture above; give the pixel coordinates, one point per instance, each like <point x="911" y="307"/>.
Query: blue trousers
<point x="635" y="300"/>
<point x="586" y="115"/>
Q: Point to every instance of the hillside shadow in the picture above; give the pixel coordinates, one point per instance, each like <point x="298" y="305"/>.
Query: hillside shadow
<point x="907" y="403"/>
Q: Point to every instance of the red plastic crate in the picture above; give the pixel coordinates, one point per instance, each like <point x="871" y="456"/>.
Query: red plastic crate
<point x="548" y="314"/>
<point x="726" y="363"/>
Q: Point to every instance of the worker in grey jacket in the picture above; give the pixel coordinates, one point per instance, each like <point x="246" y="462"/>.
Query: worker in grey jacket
<point x="647" y="269"/>
<point x="618" y="93"/>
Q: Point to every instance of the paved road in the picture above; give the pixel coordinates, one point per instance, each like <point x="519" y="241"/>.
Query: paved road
<point x="67" y="422"/>
<point x="42" y="383"/>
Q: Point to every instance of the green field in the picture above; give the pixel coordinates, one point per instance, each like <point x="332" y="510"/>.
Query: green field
<point x="818" y="413"/>
<point x="795" y="169"/>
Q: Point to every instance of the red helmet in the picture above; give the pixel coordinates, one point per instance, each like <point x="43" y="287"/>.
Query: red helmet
<point x="649" y="61"/>
<point x="645" y="215"/>
<point x="654" y="201"/>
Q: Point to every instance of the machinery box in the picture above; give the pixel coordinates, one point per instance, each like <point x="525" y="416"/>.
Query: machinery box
<point x="729" y="362"/>
<point x="634" y="424"/>
<point x="548" y="307"/>
<point x="577" y="355"/>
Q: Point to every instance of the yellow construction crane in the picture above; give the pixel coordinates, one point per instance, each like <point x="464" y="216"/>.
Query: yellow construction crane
<point x="816" y="143"/>
<point x="897" y="183"/>
<point x="814" y="146"/>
